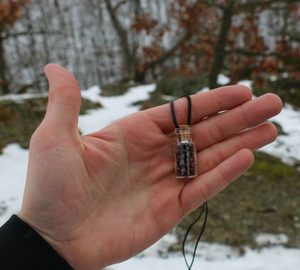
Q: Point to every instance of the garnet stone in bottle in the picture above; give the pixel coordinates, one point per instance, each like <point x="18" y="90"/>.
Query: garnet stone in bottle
<point x="185" y="163"/>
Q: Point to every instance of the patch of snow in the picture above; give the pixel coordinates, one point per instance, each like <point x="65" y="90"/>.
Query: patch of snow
<point x="21" y="97"/>
<point x="247" y="83"/>
<point x="273" y="78"/>
<point x="13" y="166"/>
<point x="264" y="239"/>
<point x="223" y="80"/>
<point x="114" y="107"/>
<point x="213" y="251"/>
<point x="287" y="147"/>
<point x="275" y="258"/>
<point x="205" y="89"/>
<point x="205" y="250"/>
<point x="167" y="98"/>
<point x="160" y="248"/>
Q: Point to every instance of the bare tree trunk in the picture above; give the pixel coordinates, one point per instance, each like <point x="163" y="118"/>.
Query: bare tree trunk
<point x="45" y="37"/>
<point x="4" y="86"/>
<point x="219" y="55"/>
<point x="33" y="51"/>
<point x="128" y="57"/>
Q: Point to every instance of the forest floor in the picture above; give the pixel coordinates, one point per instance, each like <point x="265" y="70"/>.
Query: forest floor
<point x="261" y="209"/>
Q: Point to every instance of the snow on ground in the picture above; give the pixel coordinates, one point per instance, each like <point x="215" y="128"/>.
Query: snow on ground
<point x="271" y="239"/>
<point x="13" y="164"/>
<point x="114" y="107"/>
<point x="287" y="147"/>
<point x="218" y="257"/>
<point x="21" y="97"/>
<point x="223" y="80"/>
<point x="276" y="258"/>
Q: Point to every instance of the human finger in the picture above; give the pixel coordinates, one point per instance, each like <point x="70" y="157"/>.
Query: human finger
<point x="252" y="113"/>
<point x="205" y="186"/>
<point x="203" y="104"/>
<point x="64" y="98"/>
<point x="251" y="139"/>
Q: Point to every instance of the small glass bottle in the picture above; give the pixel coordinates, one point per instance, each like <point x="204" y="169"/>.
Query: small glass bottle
<point x="185" y="163"/>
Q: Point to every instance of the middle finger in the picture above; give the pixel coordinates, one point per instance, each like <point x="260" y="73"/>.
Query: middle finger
<point x="220" y="127"/>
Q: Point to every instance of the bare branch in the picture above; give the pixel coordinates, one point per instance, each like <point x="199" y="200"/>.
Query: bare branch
<point x="169" y="52"/>
<point x="9" y="35"/>
<point x="244" y="52"/>
<point x="219" y="55"/>
<point x="118" y="5"/>
<point x="257" y="3"/>
<point x="211" y="3"/>
<point x="123" y="38"/>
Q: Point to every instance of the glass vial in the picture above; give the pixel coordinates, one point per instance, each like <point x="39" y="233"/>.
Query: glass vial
<point x="185" y="163"/>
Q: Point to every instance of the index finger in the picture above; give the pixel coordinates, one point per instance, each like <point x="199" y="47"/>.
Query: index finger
<point x="203" y="104"/>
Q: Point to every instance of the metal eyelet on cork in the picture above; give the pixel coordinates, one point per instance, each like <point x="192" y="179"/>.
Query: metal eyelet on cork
<point x="185" y="151"/>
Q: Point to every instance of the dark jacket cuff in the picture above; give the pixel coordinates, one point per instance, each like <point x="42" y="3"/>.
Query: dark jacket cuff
<point x="22" y="248"/>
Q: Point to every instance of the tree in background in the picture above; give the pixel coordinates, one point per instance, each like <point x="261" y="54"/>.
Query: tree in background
<point x="142" y="44"/>
<point x="107" y="41"/>
<point x="228" y="37"/>
<point x="10" y="12"/>
<point x="251" y="54"/>
<point x="174" y="43"/>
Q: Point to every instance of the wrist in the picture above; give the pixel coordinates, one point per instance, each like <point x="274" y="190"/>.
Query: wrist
<point x="20" y="240"/>
<point x="67" y="250"/>
<point x="75" y="254"/>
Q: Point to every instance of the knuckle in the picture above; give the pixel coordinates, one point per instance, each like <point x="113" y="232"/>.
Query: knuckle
<point x="51" y="97"/>
<point x="214" y="158"/>
<point x="219" y="102"/>
<point x="246" y="116"/>
<point x="242" y="141"/>
<point x="214" y="131"/>
<point x="204" y="190"/>
<point x="224" y="175"/>
<point x="36" y="138"/>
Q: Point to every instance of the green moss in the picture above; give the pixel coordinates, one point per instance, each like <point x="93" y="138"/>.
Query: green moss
<point x="279" y="128"/>
<point x="116" y="89"/>
<point x="272" y="167"/>
<point x="287" y="88"/>
<point x="180" y="85"/>
<point x="265" y="199"/>
<point x="20" y="119"/>
<point x="155" y="99"/>
<point x="175" y="86"/>
<point x="87" y="105"/>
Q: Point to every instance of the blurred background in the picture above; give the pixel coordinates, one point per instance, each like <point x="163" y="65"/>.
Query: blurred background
<point x="108" y="41"/>
<point x="177" y="47"/>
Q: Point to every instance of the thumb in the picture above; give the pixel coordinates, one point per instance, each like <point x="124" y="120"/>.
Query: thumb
<point x="64" y="98"/>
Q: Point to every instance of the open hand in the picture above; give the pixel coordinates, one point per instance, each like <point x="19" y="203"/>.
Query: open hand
<point x="103" y="197"/>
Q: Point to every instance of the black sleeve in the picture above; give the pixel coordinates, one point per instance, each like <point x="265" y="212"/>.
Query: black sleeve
<point x="22" y="248"/>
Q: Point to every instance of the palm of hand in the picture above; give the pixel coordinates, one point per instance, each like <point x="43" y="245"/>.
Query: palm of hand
<point x="121" y="176"/>
<point x="112" y="193"/>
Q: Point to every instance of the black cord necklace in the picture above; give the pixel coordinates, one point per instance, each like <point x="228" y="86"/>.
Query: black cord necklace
<point x="185" y="163"/>
<point x="204" y="209"/>
<point x="185" y="167"/>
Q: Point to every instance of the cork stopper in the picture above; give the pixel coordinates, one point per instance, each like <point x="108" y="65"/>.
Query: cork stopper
<point x="183" y="133"/>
